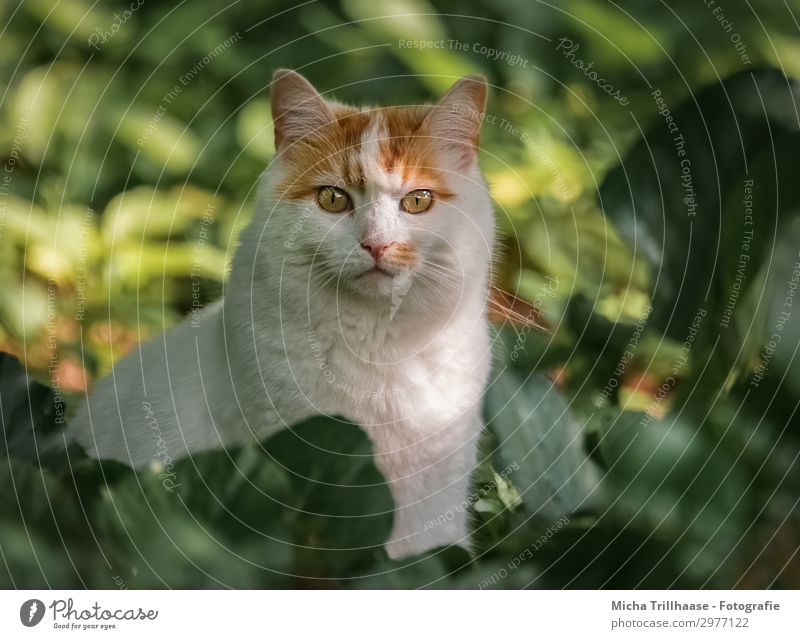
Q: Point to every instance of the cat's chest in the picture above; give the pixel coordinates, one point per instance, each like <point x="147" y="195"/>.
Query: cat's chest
<point x="433" y="385"/>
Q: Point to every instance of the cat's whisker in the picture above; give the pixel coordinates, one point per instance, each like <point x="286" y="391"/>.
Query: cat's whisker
<point x="436" y="284"/>
<point x="443" y="277"/>
<point x="444" y="270"/>
<point x="434" y="274"/>
<point x="324" y="279"/>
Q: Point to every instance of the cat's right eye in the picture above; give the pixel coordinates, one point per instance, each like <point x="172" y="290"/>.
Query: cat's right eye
<point x="333" y="200"/>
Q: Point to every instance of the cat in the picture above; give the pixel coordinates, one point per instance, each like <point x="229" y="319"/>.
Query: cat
<point x="359" y="289"/>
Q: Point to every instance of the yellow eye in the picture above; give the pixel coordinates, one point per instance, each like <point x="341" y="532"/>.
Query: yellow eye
<point x="333" y="200"/>
<point x="417" y="201"/>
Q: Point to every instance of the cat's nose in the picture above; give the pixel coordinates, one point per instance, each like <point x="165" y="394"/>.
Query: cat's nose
<point x="376" y="249"/>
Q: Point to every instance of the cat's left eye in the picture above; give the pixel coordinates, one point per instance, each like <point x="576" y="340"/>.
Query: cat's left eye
<point x="417" y="201"/>
<point x="332" y="199"/>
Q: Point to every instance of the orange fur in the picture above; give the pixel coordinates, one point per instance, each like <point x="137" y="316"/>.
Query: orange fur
<point x="332" y="150"/>
<point x="506" y="308"/>
<point x="400" y="254"/>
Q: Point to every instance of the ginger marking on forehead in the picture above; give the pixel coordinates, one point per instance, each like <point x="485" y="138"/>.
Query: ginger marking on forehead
<point x="409" y="148"/>
<point x="370" y="151"/>
<point x="357" y="142"/>
<point x="328" y="154"/>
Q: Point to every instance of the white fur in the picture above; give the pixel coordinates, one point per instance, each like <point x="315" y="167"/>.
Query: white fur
<point x="298" y="333"/>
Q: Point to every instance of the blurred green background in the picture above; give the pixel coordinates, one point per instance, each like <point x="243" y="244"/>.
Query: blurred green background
<point x="646" y="463"/>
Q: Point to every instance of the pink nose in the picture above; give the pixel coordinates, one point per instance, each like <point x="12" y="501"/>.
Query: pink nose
<point x="376" y="249"/>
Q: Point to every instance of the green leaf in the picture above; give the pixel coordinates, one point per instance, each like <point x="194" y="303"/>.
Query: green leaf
<point x="31" y="414"/>
<point x="776" y="335"/>
<point x="543" y="444"/>
<point x="667" y="195"/>
<point x="341" y="507"/>
<point x="431" y="570"/>
<point x="671" y="479"/>
<point x="156" y="534"/>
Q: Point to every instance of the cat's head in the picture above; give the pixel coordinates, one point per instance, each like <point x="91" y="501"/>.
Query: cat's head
<point x="381" y="201"/>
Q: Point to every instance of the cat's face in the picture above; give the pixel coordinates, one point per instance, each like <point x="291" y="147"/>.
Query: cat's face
<point x="381" y="202"/>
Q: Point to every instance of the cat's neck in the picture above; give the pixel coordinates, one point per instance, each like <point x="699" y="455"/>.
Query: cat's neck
<point x="411" y="320"/>
<point x="375" y="330"/>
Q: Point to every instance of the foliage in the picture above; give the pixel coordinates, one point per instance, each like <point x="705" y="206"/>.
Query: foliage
<point x="615" y="455"/>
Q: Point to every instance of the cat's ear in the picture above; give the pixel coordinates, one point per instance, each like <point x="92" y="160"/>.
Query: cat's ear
<point x="455" y="121"/>
<point x="297" y="108"/>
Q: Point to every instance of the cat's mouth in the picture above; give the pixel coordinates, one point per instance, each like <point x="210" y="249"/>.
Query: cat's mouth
<point x="376" y="271"/>
<point x="382" y="281"/>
